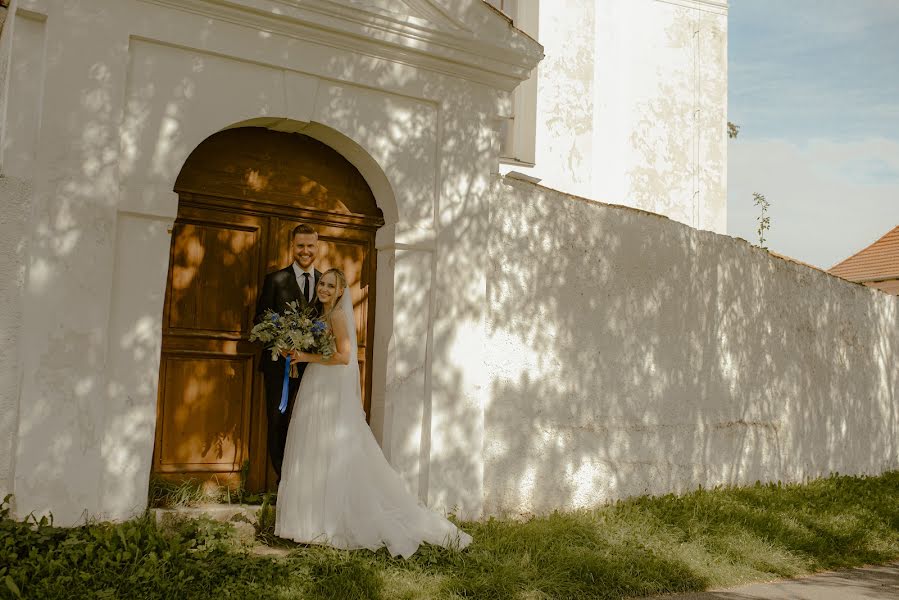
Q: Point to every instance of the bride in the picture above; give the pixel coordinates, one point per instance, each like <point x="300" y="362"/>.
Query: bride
<point x="336" y="486"/>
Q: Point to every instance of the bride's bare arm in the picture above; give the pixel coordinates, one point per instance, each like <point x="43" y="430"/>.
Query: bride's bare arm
<point x="342" y="354"/>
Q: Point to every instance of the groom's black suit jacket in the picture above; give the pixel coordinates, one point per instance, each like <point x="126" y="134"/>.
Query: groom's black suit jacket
<point x="278" y="289"/>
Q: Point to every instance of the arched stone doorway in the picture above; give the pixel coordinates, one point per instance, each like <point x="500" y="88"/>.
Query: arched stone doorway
<point x="239" y="194"/>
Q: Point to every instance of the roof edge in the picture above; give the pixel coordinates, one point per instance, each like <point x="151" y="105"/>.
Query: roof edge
<point x="869" y="246"/>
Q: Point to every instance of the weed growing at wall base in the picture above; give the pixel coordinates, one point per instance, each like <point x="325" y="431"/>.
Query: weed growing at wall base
<point x="163" y="493"/>
<point x="636" y="547"/>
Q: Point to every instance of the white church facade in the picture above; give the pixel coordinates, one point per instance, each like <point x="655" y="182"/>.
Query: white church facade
<point x="155" y="153"/>
<point x="628" y="106"/>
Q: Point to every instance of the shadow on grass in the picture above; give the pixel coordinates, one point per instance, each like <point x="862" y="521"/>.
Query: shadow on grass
<point x="558" y="556"/>
<point x="784" y="531"/>
<point x="563" y="556"/>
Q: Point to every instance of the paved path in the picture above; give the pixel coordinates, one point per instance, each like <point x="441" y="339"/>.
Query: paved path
<point x="865" y="583"/>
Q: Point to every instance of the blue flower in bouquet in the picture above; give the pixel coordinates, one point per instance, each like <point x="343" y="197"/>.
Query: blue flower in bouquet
<point x="318" y="326"/>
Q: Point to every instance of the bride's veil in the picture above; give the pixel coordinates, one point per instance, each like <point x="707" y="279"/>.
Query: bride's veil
<point x="346" y="307"/>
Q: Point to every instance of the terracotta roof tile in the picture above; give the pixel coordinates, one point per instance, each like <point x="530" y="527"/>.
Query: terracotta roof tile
<point x="890" y="286"/>
<point x="878" y="261"/>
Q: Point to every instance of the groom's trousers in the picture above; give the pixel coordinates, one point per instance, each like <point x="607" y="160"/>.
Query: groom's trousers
<point x="278" y="422"/>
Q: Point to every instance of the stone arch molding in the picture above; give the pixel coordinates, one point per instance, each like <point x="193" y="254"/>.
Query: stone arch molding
<point x="157" y="196"/>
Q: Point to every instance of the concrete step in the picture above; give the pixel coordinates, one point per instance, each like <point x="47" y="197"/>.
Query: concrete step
<point x="243" y="513"/>
<point x="242" y="517"/>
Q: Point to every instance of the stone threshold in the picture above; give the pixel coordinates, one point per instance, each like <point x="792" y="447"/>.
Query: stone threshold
<point x="241" y="513"/>
<point x="241" y="516"/>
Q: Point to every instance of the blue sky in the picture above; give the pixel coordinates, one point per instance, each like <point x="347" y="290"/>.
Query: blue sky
<point x="814" y="86"/>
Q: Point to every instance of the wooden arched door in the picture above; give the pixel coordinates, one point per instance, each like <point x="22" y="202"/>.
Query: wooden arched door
<point x="239" y="195"/>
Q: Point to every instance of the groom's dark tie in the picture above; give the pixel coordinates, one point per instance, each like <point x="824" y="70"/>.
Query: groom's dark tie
<point x="306" y="286"/>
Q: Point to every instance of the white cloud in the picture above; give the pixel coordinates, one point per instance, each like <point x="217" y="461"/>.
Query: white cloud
<point x="828" y="199"/>
<point x="825" y="68"/>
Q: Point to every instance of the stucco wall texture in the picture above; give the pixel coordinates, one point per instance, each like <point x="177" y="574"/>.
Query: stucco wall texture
<point x="631" y="354"/>
<point x="16" y="207"/>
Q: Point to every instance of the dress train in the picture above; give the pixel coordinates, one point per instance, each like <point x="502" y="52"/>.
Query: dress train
<point x="336" y="486"/>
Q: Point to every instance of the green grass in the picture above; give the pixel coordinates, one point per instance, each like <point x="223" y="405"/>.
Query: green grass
<point x="170" y="494"/>
<point x="642" y="546"/>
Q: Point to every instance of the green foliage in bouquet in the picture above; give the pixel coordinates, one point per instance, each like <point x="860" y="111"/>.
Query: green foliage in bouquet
<point x="295" y="329"/>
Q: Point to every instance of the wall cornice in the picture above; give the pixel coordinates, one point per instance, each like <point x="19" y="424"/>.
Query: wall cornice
<point x="715" y="6"/>
<point x="500" y="57"/>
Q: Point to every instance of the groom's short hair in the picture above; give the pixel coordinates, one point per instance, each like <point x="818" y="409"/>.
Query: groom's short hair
<point x="303" y="228"/>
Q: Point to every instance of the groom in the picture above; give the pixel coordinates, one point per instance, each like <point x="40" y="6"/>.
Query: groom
<point x="295" y="282"/>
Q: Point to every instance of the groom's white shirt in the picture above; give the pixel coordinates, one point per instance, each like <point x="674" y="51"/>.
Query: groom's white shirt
<point x="298" y="272"/>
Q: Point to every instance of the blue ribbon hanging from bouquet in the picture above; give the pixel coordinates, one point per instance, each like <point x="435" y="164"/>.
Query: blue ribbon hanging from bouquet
<point x="284" y="388"/>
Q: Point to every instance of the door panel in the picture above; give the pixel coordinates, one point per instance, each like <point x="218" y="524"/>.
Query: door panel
<point x="207" y="375"/>
<point x="205" y="415"/>
<point x="213" y="272"/>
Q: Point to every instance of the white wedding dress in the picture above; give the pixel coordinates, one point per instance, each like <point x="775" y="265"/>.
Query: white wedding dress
<point x="336" y="486"/>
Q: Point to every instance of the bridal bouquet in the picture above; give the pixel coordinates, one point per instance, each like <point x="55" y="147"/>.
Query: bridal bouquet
<point x="294" y="329"/>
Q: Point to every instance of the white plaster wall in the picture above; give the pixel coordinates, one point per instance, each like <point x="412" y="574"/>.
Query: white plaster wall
<point x="130" y="89"/>
<point x="23" y="50"/>
<point x="632" y="103"/>
<point x="630" y="354"/>
<point x="16" y="196"/>
<point x="59" y="461"/>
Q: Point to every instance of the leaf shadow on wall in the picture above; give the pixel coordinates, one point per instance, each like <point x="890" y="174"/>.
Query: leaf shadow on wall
<point x="636" y="355"/>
